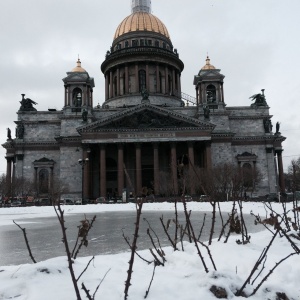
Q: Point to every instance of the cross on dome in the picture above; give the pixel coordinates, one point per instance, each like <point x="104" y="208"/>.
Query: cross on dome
<point x="141" y="6"/>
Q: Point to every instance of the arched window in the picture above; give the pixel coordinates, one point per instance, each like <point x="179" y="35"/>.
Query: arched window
<point x="123" y="78"/>
<point x="211" y="95"/>
<point x="77" y="97"/>
<point x="142" y="80"/>
<point x="170" y="84"/>
<point x="115" y="86"/>
<point x="160" y="82"/>
<point x="247" y="175"/>
<point x="43" y="181"/>
<point x="176" y="85"/>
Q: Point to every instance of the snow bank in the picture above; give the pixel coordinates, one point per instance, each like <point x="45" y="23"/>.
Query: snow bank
<point x="183" y="276"/>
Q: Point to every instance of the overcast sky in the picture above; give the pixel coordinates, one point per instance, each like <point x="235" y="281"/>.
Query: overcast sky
<point x="255" y="43"/>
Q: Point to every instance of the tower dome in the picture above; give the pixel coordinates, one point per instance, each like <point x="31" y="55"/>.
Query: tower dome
<point x="208" y="66"/>
<point x="141" y="21"/>
<point x="78" y="68"/>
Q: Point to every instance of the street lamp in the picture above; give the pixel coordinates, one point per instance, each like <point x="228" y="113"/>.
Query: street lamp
<point x="82" y="162"/>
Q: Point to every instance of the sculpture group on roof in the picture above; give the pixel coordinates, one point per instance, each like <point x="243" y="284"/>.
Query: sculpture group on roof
<point x="259" y="99"/>
<point x="27" y="104"/>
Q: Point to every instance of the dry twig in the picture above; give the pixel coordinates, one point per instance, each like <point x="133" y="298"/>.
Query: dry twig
<point x="26" y="241"/>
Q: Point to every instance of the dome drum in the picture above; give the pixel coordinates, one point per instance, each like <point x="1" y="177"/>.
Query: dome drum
<point x="128" y="78"/>
<point x="142" y="54"/>
<point x="135" y="39"/>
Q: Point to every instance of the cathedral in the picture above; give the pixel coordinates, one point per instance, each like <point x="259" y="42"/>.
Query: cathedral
<point x="145" y="126"/>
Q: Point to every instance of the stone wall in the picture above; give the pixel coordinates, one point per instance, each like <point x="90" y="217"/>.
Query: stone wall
<point x="247" y="127"/>
<point x="221" y="153"/>
<point x="70" y="170"/>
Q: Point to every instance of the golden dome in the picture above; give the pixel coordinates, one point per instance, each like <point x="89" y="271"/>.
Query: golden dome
<point x="208" y="66"/>
<point x="141" y="21"/>
<point x="78" y="68"/>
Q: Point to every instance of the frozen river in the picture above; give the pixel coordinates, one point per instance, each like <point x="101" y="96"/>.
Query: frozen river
<point x="105" y="237"/>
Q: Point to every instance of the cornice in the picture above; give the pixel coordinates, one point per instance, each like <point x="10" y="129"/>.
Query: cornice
<point x="251" y="117"/>
<point x="39" y="122"/>
<point x="260" y="138"/>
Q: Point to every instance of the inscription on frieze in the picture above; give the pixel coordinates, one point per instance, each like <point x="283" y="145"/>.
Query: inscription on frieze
<point x="146" y="135"/>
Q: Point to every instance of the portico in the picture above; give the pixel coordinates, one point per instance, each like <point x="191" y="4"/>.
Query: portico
<point x="148" y="144"/>
<point x="135" y="165"/>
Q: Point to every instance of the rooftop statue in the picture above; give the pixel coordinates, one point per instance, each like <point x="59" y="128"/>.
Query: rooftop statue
<point x="268" y="125"/>
<point x="277" y="128"/>
<point x="27" y="104"/>
<point x="206" y="112"/>
<point x="145" y="94"/>
<point x="8" y="134"/>
<point x="259" y="99"/>
<point x="20" y="131"/>
<point x="84" y="115"/>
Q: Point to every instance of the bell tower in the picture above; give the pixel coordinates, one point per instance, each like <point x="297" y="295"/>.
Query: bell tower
<point x="78" y="90"/>
<point x="209" y="87"/>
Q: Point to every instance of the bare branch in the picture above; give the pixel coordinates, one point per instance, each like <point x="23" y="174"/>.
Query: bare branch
<point x="26" y="241"/>
<point x="86" y="267"/>
<point x="130" y="246"/>
<point x="147" y="292"/>
<point x="133" y="248"/>
<point x="100" y="283"/>
<point x="166" y="232"/>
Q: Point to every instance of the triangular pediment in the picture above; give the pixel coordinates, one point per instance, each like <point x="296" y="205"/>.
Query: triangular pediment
<point x="246" y="154"/>
<point x="43" y="160"/>
<point x="146" y="117"/>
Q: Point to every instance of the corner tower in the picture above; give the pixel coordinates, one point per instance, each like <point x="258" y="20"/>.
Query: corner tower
<point x="209" y="86"/>
<point x="78" y="89"/>
<point x="141" y="57"/>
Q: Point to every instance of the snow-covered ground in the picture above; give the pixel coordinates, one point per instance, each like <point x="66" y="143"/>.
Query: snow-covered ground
<point x="182" y="277"/>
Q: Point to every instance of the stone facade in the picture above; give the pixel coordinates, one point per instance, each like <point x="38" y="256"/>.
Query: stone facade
<point x="144" y="128"/>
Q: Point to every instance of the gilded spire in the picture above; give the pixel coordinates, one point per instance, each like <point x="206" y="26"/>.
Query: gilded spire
<point x="78" y="62"/>
<point x="141" y="6"/>
<point x="208" y="66"/>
